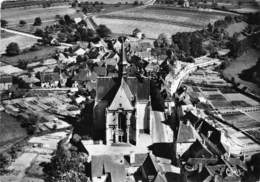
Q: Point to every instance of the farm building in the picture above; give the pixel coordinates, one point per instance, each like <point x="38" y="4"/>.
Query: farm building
<point x="49" y="79"/>
<point x="5" y="82"/>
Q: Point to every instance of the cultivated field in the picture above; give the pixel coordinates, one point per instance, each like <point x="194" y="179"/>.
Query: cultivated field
<point x="10" y="129"/>
<point x="196" y="19"/>
<point x="14" y="16"/>
<point x="151" y="29"/>
<point x="114" y="1"/>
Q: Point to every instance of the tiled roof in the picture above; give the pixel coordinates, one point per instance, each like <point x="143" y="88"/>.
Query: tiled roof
<point x="49" y="76"/>
<point x="101" y="71"/>
<point x="6" y="79"/>
<point x="109" y="164"/>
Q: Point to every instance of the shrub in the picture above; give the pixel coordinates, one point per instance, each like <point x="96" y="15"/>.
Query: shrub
<point x="22" y="22"/>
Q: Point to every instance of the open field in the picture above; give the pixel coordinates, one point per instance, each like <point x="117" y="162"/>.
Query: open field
<point x="29" y="28"/>
<point x="10" y="129"/>
<point x="14" y="16"/>
<point x="22" y="41"/>
<point x="167" y="15"/>
<point x="151" y="29"/>
<point x="5" y="34"/>
<point x="114" y="1"/>
<point x="247" y="60"/>
<point x="43" y="53"/>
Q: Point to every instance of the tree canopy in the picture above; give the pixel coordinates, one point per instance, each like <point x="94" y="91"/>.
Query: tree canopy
<point x="12" y="49"/>
<point x="4" y="23"/>
<point x="103" y="31"/>
<point x="37" y="21"/>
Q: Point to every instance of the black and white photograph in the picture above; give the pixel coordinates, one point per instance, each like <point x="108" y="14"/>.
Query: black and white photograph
<point x="130" y="91"/>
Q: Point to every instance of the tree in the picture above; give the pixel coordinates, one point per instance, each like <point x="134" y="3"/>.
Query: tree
<point x="68" y="19"/>
<point x="12" y="49"/>
<point x="67" y="165"/>
<point x="136" y="31"/>
<point x="84" y="10"/>
<point x="22" y="64"/>
<point x="4" y="23"/>
<point x="39" y="32"/>
<point x="196" y="46"/>
<point x="5" y="160"/>
<point x="83" y="23"/>
<point x="103" y="31"/>
<point x="210" y="27"/>
<point x="37" y="21"/>
<point x="22" y="22"/>
<point x="135" y="3"/>
<point x="162" y="41"/>
<point x="57" y="17"/>
<point x="143" y="36"/>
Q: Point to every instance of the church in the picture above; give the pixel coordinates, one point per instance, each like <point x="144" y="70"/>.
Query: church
<point x="122" y="107"/>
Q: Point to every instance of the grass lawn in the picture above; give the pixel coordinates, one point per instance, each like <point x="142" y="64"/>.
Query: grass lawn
<point x="22" y="41"/>
<point x="236" y="27"/>
<point x="10" y="129"/>
<point x="43" y="53"/>
<point x="151" y="29"/>
<point x="247" y="60"/>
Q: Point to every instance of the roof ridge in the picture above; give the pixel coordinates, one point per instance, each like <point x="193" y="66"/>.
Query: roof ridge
<point x="123" y="97"/>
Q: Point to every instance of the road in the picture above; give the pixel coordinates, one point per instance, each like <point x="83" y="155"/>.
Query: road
<point x="187" y="70"/>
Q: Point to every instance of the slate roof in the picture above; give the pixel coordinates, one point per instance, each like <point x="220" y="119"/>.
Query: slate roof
<point x="107" y="88"/>
<point x="101" y="71"/>
<point x="85" y="75"/>
<point x="122" y="98"/>
<point x="185" y="134"/>
<point x="109" y="164"/>
<point x="49" y="76"/>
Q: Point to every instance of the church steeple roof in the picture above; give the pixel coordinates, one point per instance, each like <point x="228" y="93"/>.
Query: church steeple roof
<point x="122" y="98"/>
<point x="123" y="60"/>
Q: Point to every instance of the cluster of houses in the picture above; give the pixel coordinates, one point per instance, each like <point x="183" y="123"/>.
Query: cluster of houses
<point x="78" y="66"/>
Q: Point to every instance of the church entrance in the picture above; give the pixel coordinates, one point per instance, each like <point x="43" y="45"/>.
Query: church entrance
<point x="122" y="125"/>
